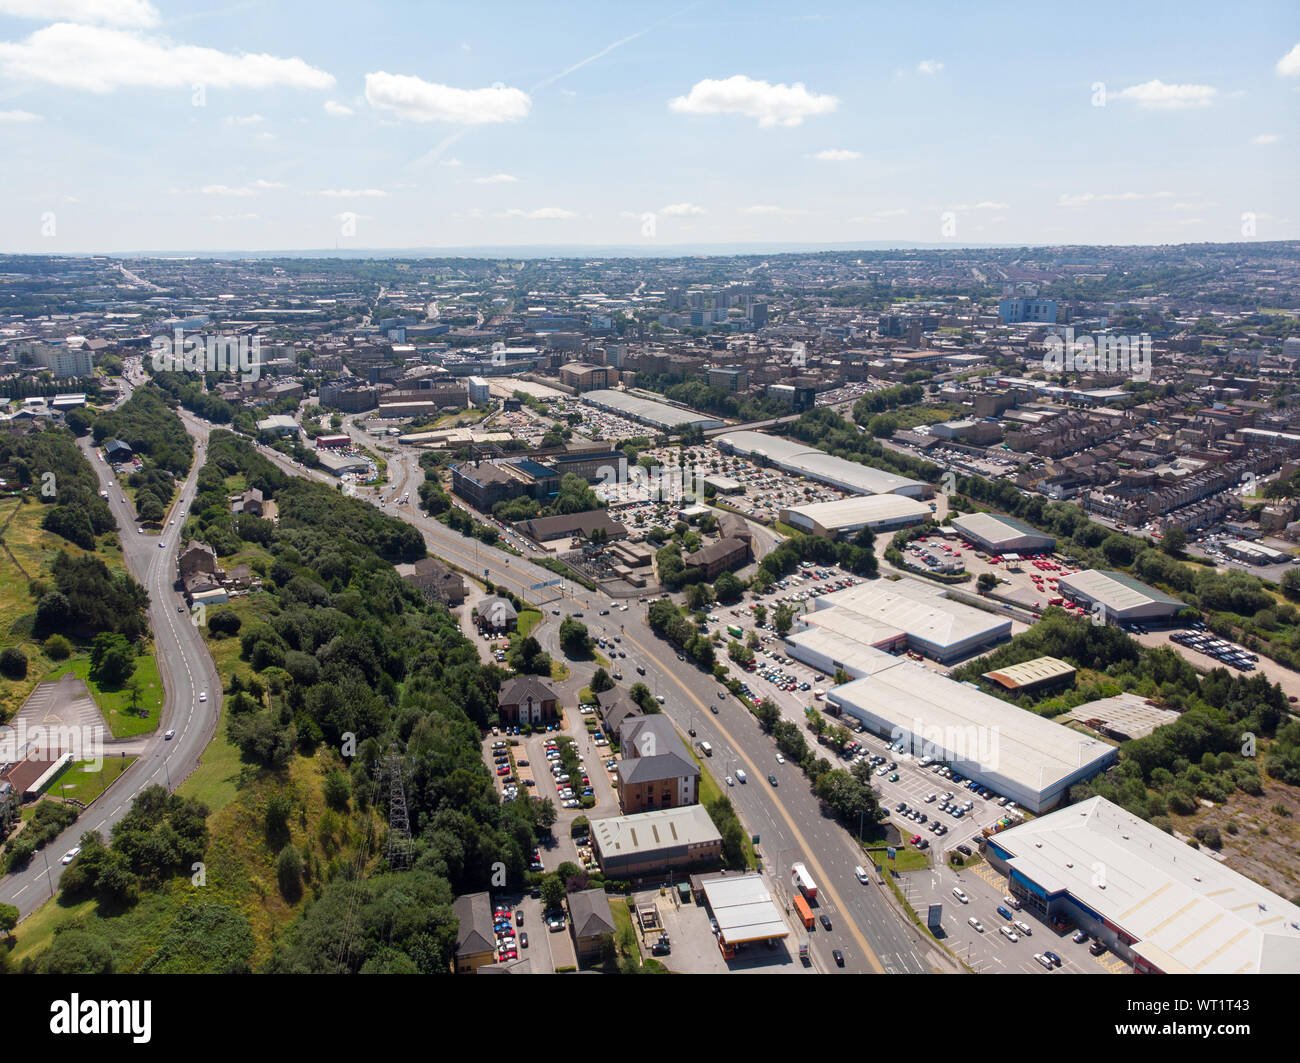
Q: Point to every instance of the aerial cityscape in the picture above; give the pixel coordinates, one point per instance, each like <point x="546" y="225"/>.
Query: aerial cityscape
<point x="438" y="537"/>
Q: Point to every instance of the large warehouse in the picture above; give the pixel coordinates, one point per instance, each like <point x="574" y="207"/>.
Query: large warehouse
<point x="1000" y="534"/>
<point x="908" y="614"/>
<point x="646" y="411"/>
<point x="848" y="516"/>
<point x="1122" y="597"/>
<point x="802" y="460"/>
<point x="1012" y="751"/>
<point x="1154" y="901"/>
<point x="830" y="651"/>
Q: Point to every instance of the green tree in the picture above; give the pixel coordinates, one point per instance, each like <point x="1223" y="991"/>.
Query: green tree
<point x="288" y="873"/>
<point x="552" y="892"/>
<point x="112" y="660"/>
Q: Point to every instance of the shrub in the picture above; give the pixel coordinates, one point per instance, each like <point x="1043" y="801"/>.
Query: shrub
<point x="13" y="663"/>
<point x="58" y="648"/>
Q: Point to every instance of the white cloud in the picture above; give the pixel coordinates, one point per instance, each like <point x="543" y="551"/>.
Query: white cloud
<point x="541" y="214"/>
<point x="773" y="211"/>
<point x="226" y="190"/>
<point x="1289" y="65"/>
<point x="451" y="162"/>
<point x="1083" y="199"/>
<point x="19" y="116"/>
<point x="338" y="110"/>
<point x="138" y="13"/>
<point x="929" y="66"/>
<point x="96" y="59"/>
<point x="231" y="217"/>
<point x="987" y="204"/>
<point x="1204" y="205"/>
<point x="424" y="101"/>
<point x="1157" y="96"/>
<point x="251" y="189"/>
<point x="243" y="119"/>
<point x="1266" y="138"/>
<point x="353" y="193"/>
<point x="681" y="210"/>
<point x="772" y="105"/>
<point x="496" y="179"/>
<point x="836" y="155"/>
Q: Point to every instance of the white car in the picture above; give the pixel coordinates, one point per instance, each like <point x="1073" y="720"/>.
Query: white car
<point x="1044" y="961"/>
<point x="731" y="781"/>
<point x="169" y="735"/>
<point x="780" y="759"/>
<point x="161" y="544"/>
<point x="203" y="695"/>
<point x="71" y="854"/>
<point x="960" y="895"/>
<point x="1008" y="933"/>
<point x="976" y="924"/>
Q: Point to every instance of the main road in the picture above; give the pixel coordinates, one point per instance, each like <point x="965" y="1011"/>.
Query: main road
<point x="186" y="670"/>
<point x="867" y="927"/>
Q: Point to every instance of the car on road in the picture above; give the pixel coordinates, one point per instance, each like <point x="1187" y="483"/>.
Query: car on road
<point x="731" y="781"/>
<point x="713" y="709"/>
<point x="772" y="779"/>
<point x="780" y="759"/>
<point x="161" y="544"/>
<point x="741" y="777"/>
<point x="169" y="735"/>
<point x="203" y="695"/>
<point x="523" y="940"/>
<point x="960" y="894"/>
<point x="180" y="608"/>
<point x="691" y="731"/>
<point x="839" y="957"/>
<point x="71" y="854"/>
<point x="826" y="922"/>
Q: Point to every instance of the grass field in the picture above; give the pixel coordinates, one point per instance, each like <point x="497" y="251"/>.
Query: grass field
<point x="83" y="782"/>
<point x="115" y="703"/>
<point x="528" y="621"/>
<point x="34" y="549"/>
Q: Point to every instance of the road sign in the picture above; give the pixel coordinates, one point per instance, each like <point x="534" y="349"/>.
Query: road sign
<point x="548" y="583"/>
<point x="892" y="852"/>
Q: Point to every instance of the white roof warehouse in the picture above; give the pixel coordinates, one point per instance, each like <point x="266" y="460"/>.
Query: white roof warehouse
<point x="1008" y="749"/>
<point x="1153" y="900"/>
<point x="892" y="614"/>
<point x="803" y="460"/>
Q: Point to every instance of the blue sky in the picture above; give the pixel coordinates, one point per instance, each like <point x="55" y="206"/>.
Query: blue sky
<point x="157" y="124"/>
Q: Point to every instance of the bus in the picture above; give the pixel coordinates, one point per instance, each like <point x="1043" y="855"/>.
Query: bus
<point x="803" y="881"/>
<point x="734" y="631"/>
<point x="805" y="913"/>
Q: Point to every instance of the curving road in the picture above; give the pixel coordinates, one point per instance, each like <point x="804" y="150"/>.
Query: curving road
<point x="186" y="669"/>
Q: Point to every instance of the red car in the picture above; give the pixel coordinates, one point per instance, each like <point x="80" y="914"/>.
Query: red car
<point x="915" y="838"/>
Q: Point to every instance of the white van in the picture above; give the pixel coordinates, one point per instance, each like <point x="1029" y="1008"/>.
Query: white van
<point x="740" y="775"/>
<point x="861" y="872"/>
<point x="706" y="749"/>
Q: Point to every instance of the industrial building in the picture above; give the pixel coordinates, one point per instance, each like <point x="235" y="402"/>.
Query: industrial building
<point x="999" y="534"/>
<point x="650" y="843"/>
<point x="1121" y="597"/>
<point x="1037" y="674"/>
<point x="341" y="464"/>
<point x="799" y="459"/>
<point x="848" y="516"/>
<point x="1016" y="753"/>
<point x="647" y="411"/>
<point x="906" y="614"/>
<point x="1154" y="901"/>
<point x="830" y="652"/>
